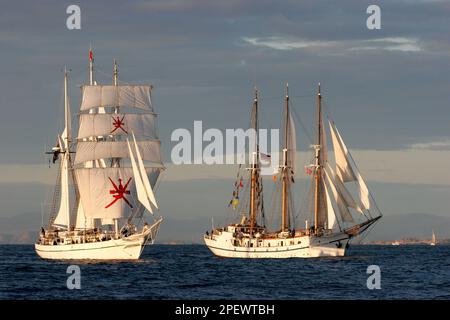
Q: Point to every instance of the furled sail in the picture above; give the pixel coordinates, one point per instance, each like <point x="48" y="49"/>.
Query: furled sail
<point x="346" y="168"/>
<point x="102" y="124"/>
<point x="109" y="192"/>
<point x="137" y="96"/>
<point x="94" y="150"/>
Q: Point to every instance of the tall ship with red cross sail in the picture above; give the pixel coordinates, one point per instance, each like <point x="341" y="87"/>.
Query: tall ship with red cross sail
<point x="339" y="206"/>
<point x="104" y="199"/>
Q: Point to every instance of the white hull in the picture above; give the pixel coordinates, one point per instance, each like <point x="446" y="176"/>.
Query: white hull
<point x="129" y="248"/>
<point x="223" y="245"/>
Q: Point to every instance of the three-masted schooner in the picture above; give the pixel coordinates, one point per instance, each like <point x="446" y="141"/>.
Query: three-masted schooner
<point x="337" y="216"/>
<point x="106" y="185"/>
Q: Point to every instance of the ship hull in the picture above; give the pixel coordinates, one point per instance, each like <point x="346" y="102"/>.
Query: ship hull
<point x="129" y="248"/>
<point x="295" y="247"/>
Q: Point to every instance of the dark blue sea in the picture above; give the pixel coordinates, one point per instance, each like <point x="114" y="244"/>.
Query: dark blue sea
<point x="192" y="272"/>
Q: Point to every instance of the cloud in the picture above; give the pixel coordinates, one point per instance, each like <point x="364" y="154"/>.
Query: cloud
<point x="442" y="143"/>
<point x="396" y="44"/>
<point x="287" y="43"/>
<point x="402" y="44"/>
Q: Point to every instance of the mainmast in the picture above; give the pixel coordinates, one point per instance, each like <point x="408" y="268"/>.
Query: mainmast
<point x="318" y="160"/>
<point x="285" y="171"/>
<point x="254" y="177"/>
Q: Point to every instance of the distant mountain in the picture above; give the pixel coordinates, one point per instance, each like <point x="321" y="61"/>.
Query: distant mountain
<point x="24" y="237"/>
<point x="412" y="225"/>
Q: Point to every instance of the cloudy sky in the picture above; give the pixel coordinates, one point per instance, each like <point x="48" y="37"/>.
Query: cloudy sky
<point x="387" y="89"/>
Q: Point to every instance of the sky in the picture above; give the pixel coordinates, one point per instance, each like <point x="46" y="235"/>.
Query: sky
<point x="387" y="89"/>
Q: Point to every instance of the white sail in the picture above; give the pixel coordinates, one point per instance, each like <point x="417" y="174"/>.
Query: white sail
<point x="62" y="218"/>
<point x="364" y="194"/>
<point x="116" y="96"/>
<point x="109" y="192"/>
<point x="91" y="150"/>
<point x="144" y="177"/>
<point x="343" y="191"/>
<point x="143" y="125"/>
<point x="331" y="214"/>
<point x="347" y="169"/>
<point x="340" y="201"/>
<point x="343" y="168"/>
<point x="107" y="221"/>
<point x="140" y="189"/>
<point x="82" y="222"/>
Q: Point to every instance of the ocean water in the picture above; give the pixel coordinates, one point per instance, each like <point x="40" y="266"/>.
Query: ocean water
<point x="192" y="272"/>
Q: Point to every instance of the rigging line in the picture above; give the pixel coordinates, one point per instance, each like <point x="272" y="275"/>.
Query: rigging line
<point x="263" y="114"/>
<point x="275" y="204"/>
<point x="302" y="125"/>
<point x="109" y="75"/>
<point x="290" y="96"/>
<point x="364" y="235"/>
<point x="326" y="109"/>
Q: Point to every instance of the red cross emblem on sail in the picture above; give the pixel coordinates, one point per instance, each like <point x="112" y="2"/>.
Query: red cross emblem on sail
<point x="119" y="192"/>
<point x="118" y="124"/>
